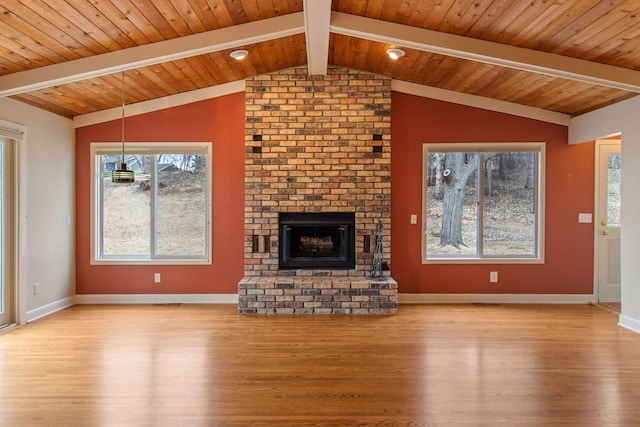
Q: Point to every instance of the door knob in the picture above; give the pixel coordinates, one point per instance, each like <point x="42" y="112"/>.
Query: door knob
<point x="604" y="232"/>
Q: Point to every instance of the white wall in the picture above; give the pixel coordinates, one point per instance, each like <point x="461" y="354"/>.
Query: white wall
<point x="622" y="117"/>
<point x="48" y="162"/>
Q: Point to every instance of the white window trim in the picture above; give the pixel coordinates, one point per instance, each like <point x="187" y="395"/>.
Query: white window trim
<point x="488" y="147"/>
<point x="98" y="148"/>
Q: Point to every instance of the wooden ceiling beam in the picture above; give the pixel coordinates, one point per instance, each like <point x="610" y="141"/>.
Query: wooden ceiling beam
<point x="317" y="14"/>
<point x="485" y="51"/>
<point x="151" y="54"/>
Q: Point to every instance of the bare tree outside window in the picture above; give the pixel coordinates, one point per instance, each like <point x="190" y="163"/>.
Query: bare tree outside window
<point x="459" y="167"/>
<point x="509" y="216"/>
<point x="499" y="221"/>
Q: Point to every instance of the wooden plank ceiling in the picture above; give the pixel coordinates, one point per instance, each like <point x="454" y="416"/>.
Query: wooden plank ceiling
<point x="37" y="37"/>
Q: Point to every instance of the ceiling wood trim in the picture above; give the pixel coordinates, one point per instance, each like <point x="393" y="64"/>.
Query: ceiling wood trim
<point x="151" y="54"/>
<point x="481" y="102"/>
<point x="543" y="56"/>
<point x="159" y="103"/>
<point x="396" y="85"/>
<point x="485" y="51"/>
<point x="317" y="15"/>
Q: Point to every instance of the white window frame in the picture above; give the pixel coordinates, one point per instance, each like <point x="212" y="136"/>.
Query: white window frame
<point x="147" y="148"/>
<point x="540" y="147"/>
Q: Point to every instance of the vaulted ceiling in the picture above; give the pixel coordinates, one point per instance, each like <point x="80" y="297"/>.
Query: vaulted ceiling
<point x="564" y="56"/>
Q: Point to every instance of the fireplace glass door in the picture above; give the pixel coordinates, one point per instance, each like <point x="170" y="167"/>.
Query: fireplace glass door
<point x="317" y="240"/>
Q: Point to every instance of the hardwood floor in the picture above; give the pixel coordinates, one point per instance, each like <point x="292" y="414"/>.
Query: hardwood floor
<point x="436" y="365"/>
<point x="614" y="307"/>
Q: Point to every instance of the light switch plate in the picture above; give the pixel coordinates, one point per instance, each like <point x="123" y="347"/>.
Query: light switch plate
<point x="414" y="219"/>
<point x="585" y="218"/>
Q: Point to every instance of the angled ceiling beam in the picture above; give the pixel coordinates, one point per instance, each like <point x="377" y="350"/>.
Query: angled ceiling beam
<point x="317" y="14"/>
<point x="486" y="52"/>
<point x="151" y="54"/>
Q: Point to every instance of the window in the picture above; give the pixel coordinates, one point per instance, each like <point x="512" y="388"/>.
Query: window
<point x="164" y="216"/>
<point x="483" y="202"/>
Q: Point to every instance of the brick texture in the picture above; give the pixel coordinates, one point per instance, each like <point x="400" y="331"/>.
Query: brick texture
<point x="318" y="295"/>
<point x="315" y="144"/>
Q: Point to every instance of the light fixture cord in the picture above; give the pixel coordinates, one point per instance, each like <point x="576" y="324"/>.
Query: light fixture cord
<point x="122" y="117"/>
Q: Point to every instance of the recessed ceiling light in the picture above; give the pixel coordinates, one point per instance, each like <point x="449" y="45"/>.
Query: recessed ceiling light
<point x="239" y="54"/>
<point x="395" y="53"/>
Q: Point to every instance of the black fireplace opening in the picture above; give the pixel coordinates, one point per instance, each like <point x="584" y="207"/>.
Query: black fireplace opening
<point x="317" y="240"/>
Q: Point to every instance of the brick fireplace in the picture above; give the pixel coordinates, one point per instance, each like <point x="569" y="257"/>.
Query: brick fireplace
<point x="316" y="144"/>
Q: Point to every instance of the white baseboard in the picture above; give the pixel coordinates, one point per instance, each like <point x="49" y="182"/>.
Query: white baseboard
<point x="404" y="298"/>
<point x="50" y="308"/>
<point x="156" y="298"/>
<point x="629" y="323"/>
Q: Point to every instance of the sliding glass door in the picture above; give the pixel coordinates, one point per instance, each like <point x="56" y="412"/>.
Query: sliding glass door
<point x="7" y="231"/>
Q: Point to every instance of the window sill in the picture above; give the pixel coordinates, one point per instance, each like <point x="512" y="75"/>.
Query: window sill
<point x="151" y="262"/>
<point x="485" y="261"/>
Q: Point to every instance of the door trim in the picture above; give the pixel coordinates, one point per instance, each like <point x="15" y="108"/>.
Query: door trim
<point x="20" y="281"/>
<point x="596" y="212"/>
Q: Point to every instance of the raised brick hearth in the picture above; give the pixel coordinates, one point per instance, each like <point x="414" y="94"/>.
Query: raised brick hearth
<point x="318" y="295"/>
<point x="316" y="144"/>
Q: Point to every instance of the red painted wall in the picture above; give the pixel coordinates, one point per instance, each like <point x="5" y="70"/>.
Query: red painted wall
<point x="221" y="121"/>
<point x="568" y="266"/>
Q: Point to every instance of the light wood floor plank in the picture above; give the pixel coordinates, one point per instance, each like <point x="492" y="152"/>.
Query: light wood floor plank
<point x="436" y="365"/>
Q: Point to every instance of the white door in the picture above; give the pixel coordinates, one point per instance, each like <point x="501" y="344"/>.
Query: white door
<point x="608" y="224"/>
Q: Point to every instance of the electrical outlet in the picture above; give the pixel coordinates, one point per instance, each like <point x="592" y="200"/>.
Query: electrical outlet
<point x="36" y="288"/>
<point x="493" y="277"/>
<point x="414" y="219"/>
<point x="156" y="278"/>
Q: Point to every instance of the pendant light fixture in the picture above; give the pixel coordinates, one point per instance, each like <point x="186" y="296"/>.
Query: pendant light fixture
<point x="122" y="175"/>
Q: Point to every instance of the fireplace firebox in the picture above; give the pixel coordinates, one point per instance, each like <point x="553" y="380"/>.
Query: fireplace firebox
<point x="317" y="240"/>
